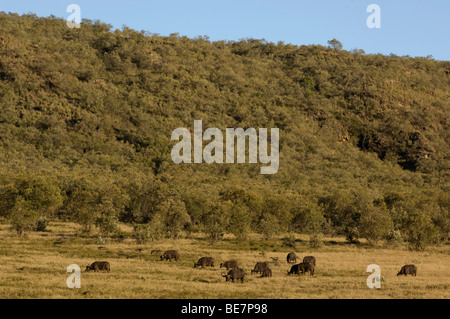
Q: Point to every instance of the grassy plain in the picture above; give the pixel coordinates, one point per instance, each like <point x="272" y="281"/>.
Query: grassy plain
<point x="35" y="267"/>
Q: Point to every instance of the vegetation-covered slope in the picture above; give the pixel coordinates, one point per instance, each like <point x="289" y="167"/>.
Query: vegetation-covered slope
<point x="86" y="118"/>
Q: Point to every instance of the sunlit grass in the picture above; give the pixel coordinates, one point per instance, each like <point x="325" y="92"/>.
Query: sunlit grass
<point x="35" y="267"/>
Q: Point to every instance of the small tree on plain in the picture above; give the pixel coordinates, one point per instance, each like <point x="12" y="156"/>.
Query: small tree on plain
<point x="23" y="218"/>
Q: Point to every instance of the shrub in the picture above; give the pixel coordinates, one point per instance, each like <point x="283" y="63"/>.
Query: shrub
<point x="157" y="228"/>
<point x="314" y="224"/>
<point x="102" y="240"/>
<point x="394" y="238"/>
<point x="23" y="218"/>
<point x="215" y="221"/>
<point x="420" y="230"/>
<point x="41" y="224"/>
<point x="315" y="241"/>
<point x="269" y="226"/>
<point x="375" y="224"/>
<point x="81" y="206"/>
<point x="239" y="224"/>
<point x="171" y="215"/>
<point x="107" y="225"/>
<point x="142" y="233"/>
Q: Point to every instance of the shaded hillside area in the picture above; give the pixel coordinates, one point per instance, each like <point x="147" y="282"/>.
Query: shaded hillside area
<point x="87" y="114"/>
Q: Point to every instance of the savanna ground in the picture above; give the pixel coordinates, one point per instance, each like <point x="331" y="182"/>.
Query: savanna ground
<point x="35" y="267"/>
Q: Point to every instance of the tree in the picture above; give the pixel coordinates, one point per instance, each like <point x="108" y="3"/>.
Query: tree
<point x="8" y="199"/>
<point x="314" y="224"/>
<point x="343" y="210"/>
<point x="27" y="199"/>
<point x="111" y="203"/>
<point x="82" y="207"/>
<point x="173" y="213"/>
<point x="335" y="44"/>
<point x="274" y="216"/>
<point x="240" y="222"/>
<point x="375" y="224"/>
<point x="23" y="217"/>
<point x="420" y="230"/>
<point x="440" y="216"/>
<point x="145" y="199"/>
<point x="215" y="220"/>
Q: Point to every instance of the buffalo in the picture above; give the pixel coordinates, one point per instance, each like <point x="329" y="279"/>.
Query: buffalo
<point x="169" y="255"/>
<point x="408" y="270"/>
<point x="310" y="259"/>
<point x="235" y="274"/>
<point x="204" y="261"/>
<point x="305" y="267"/>
<point x="260" y="266"/>
<point x="267" y="273"/>
<point x="295" y="270"/>
<point x="292" y="258"/>
<point x="302" y="268"/>
<point x="229" y="264"/>
<point x="99" y="265"/>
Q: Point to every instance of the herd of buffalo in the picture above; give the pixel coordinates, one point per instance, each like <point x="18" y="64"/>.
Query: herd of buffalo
<point x="235" y="273"/>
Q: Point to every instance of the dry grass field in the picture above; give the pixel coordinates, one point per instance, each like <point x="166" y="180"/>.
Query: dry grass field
<point x="35" y="267"/>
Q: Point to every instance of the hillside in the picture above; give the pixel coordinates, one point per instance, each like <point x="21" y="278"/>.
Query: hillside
<point x="86" y="119"/>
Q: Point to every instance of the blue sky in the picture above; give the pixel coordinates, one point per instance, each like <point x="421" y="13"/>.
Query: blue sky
<point x="408" y="27"/>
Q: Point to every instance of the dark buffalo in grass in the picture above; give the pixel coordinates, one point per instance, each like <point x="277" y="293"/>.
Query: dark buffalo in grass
<point x="259" y="267"/>
<point x="305" y="267"/>
<point x="408" y="270"/>
<point x="235" y="274"/>
<point x="309" y="259"/>
<point x="292" y="258"/>
<point x="295" y="270"/>
<point x="230" y="264"/>
<point x="169" y="255"/>
<point x="266" y="273"/>
<point x="99" y="265"/>
<point x="204" y="262"/>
